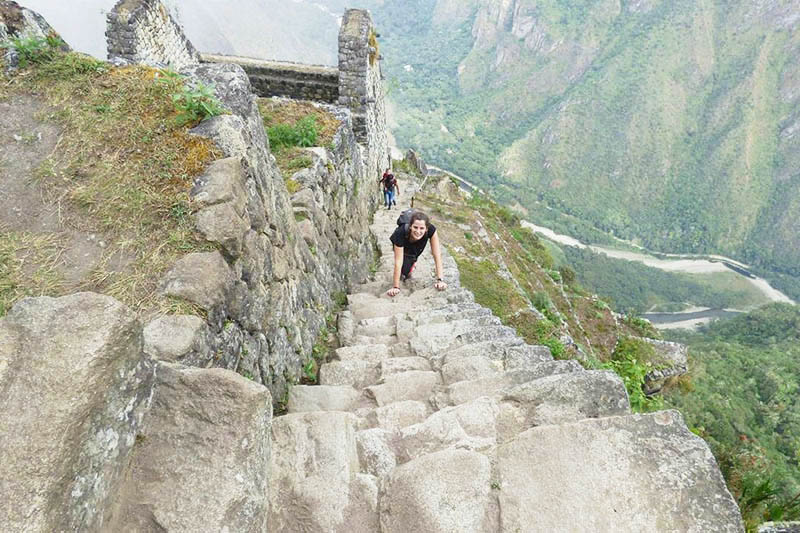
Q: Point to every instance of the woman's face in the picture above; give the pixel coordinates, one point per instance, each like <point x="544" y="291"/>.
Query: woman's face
<point x="418" y="229"/>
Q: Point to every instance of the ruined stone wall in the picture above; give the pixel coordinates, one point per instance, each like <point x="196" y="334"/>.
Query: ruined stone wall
<point x="292" y="80"/>
<point x="281" y="259"/>
<point x="142" y="31"/>
<point x="361" y="87"/>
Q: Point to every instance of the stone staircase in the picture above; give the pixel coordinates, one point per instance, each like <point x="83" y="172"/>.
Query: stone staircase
<point x="434" y="417"/>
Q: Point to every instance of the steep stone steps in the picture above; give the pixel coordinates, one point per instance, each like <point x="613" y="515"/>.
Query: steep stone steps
<point x="437" y="411"/>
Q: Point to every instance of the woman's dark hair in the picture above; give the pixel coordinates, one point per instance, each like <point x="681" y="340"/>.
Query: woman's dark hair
<point x="418" y="215"/>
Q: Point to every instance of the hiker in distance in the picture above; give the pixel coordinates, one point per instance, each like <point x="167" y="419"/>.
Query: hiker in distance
<point x="414" y="230"/>
<point x="390" y="188"/>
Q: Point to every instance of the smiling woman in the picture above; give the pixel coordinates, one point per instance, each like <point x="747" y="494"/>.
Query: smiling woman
<point x="409" y="240"/>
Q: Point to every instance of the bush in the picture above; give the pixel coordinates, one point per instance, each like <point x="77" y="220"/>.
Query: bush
<point x="302" y="133"/>
<point x="632" y="360"/>
<point x="195" y="104"/>
<point x="34" y="49"/>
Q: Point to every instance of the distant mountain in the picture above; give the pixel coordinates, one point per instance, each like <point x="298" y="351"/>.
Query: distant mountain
<point x="672" y="122"/>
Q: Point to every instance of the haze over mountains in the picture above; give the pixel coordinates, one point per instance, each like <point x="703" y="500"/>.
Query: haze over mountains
<point x="291" y="30"/>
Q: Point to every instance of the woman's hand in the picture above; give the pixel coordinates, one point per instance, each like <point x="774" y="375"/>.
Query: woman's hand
<point x="394" y="291"/>
<point x="440" y="285"/>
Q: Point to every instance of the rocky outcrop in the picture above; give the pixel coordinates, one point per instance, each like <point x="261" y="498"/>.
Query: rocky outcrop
<point x="17" y="22"/>
<point x="75" y="388"/>
<point x="201" y="462"/>
<point x="97" y="436"/>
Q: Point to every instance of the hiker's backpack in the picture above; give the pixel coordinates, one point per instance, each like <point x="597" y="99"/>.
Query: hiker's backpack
<point x="405" y="219"/>
<point x="389" y="182"/>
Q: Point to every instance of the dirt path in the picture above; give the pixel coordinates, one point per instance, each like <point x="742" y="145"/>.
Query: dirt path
<point x="26" y="142"/>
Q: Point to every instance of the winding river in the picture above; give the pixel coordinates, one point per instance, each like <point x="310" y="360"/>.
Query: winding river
<point x="691" y="264"/>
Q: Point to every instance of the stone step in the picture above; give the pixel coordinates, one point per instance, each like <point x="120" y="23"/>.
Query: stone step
<point x="389" y="307"/>
<point x="354" y="372"/>
<point x="497" y="385"/>
<point x="412" y="385"/>
<point x="437" y="348"/>
<point x="315" y="483"/>
<point x="442" y="492"/>
<point x="395" y="415"/>
<point x="511" y="352"/>
<point x="628" y="473"/>
<point x="444" y="333"/>
<point x="469" y="426"/>
<point x="396" y="365"/>
<point x="377" y="326"/>
<point x="305" y="398"/>
<point x="568" y="397"/>
<point x="371" y="353"/>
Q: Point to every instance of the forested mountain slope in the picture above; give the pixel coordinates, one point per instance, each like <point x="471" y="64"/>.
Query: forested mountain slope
<point x="674" y="123"/>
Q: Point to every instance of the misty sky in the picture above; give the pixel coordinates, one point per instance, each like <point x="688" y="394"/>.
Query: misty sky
<point x="295" y="30"/>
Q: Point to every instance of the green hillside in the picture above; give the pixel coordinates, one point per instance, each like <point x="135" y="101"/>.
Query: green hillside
<point x="668" y="122"/>
<point x="743" y="399"/>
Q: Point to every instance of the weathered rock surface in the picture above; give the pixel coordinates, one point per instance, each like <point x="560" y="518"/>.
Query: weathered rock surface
<point x="613" y="474"/>
<point x="315" y="462"/>
<point x="75" y="386"/>
<point x="442" y="492"/>
<point x="176" y="338"/>
<point x="202" y="460"/>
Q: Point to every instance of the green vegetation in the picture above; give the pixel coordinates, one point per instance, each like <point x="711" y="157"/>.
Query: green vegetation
<point x="632" y="360"/>
<point x="196" y="103"/>
<point x="293" y="125"/>
<point x="302" y="133"/>
<point x="616" y="127"/>
<point x="637" y="288"/>
<point x="34" y="50"/>
<point x="746" y="404"/>
<point x="122" y="170"/>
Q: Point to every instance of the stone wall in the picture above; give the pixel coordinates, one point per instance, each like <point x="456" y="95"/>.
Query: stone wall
<point x="281" y="258"/>
<point x="361" y="86"/>
<point x="292" y="80"/>
<point x="142" y="31"/>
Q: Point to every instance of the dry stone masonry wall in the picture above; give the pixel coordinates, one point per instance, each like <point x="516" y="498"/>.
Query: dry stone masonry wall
<point x="292" y="80"/>
<point x="143" y="31"/>
<point x="361" y="86"/>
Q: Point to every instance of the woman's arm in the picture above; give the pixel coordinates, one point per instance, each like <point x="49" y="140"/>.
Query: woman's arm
<point x="437" y="261"/>
<point x="398" y="264"/>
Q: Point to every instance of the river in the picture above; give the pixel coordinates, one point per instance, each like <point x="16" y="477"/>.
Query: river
<point x="691" y="264"/>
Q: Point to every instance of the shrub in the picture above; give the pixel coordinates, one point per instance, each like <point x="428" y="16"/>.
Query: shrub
<point x="303" y="133"/>
<point x="195" y="104"/>
<point x="632" y="360"/>
<point x="34" y="49"/>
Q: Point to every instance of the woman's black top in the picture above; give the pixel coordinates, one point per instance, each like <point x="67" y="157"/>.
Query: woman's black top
<point x="414" y="249"/>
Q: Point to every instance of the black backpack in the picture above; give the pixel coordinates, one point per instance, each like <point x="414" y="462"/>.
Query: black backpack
<point x="405" y="219"/>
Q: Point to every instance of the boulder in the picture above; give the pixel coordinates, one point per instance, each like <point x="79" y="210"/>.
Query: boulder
<point x="628" y="473"/>
<point x="201" y="278"/>
<point x="176" y="337"/>
<point x="75" y="388"/>
<point x="442" y="492"/>
<point x="202" y="461"/>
